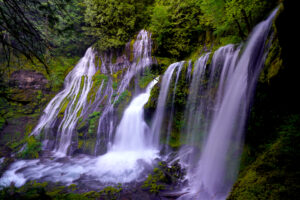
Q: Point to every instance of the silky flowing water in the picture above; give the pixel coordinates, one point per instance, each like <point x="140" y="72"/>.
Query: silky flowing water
<point x="127" y="148"/>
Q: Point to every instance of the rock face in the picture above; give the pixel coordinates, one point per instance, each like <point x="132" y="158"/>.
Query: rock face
<point x="26" y="85"/>
<point x="25" y="79"/>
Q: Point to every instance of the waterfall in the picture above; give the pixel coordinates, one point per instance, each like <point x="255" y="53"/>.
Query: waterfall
<point x="132" y="130"/>
<point x="131" y="155"/>
<point x="213" y="177"/>
<point x="141" y="59"/>
<point x="131" y="152"/>
<point x="70" y="101"/>
<point x="169" y="128"/>
<point x="193" y="110"/>
<point x="128" y="153"/>
<point x="160" y="108"/>
<point x="124" y="147"/>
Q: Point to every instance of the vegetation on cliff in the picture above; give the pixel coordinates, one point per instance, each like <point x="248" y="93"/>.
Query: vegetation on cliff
<point x="180" y="29"/>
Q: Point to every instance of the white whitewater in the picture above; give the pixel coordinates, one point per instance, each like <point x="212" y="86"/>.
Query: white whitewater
<point x="217" y="167"/>
<point x="129" y="157"/>
<point x="130" y="152"/>
<point x="76" y="88"/>
<point x="132" y="130"/>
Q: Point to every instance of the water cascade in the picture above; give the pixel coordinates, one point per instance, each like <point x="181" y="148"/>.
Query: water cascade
<point x="141" y="59"/>
<point x="126" y="151"/>
<point x="160" y="108"/>
<point x="172" y="103"/>
<point x="123" y="146"/>
<point x="216" y="169"/>
<point x="71" y="100"/>
<point x="129" y="157"/>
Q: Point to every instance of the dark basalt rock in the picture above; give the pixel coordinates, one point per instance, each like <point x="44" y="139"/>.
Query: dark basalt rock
<point x="27" y="79"/>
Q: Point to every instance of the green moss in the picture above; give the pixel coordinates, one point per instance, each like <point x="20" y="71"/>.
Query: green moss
<point x="64" y="106"/>
<point x="98" y="78"/>
<point x="79" y="112"/>
<point x="273" y="62"/>
<point x="89" y="145"/>
<point x="115" y="85"/>
<point x="93" y="122"/>
<point x="146" y="78"/>
<point x="131" y="50"/>
<point x="32" y="149"/>
<point x="163" y="63"/>
<point x="152" y="102"/>
<point x="152" y="181"/>
<point x="80" y="91"/>
<point x="99" y="63"/>
<point x="60" y="67"/>
<point x="123" y="97"/>
<point x="273" y="175"/>
<point x="80" y="144"/>
<point x="116" y="76"/>
<point x="2" y="123"/>
<point x="111" y="193"/>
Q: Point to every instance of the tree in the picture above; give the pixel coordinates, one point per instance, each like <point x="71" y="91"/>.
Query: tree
<point x="24" y="26"/>
<point x="176" y="27"/>
<point x="111" y="22"/>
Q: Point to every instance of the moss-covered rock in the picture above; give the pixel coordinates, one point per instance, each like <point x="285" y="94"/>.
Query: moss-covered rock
<point x="273" y="175"/>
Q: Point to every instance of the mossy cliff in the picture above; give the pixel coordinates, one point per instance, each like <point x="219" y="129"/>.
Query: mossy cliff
<point x="268" y="166"/>
<point x="25" y="90"/>
<point x="268" y="163"/>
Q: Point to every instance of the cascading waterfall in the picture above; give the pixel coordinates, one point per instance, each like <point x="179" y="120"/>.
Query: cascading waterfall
<point x="132" y="130"/>
<point x="215" y="115"/>
<point x="172" y="103"/>
<point x="131" y="155"/>
<point x="71" y="101"/>
<point x="213" y="177"/>
<point x="141" y="59"/>
<point x="160" y="108"/>
<point x="193" y="110"/>
<point x="129" y="152"/>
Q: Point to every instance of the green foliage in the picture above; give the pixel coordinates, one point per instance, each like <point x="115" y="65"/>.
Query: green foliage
<point x="25" y="24"/>
<point x="176" y="27"/>
<point x="273" y="62"/>
<point x="98" y="78"/>
<point x="179" y="26"/>
<point x="113" y="22"/>
<point x="32" y="149"/>
<point x="69" y="38"/>
<point x="152" y="102"/>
